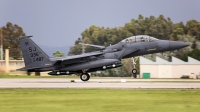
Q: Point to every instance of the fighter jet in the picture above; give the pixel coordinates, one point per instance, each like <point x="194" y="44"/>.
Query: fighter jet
<point x="36" y="60"/>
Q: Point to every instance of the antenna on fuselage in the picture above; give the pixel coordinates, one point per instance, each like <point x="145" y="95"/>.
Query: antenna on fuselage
<point x="83" y="47"/>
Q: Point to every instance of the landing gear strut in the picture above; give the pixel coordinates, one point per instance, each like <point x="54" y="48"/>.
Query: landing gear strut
<point x="84" y="76"/>
<point x="134" y="70"/>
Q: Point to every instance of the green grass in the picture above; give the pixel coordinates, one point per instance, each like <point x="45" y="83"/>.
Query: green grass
<point x="32" y="76"/>
<point x="98" y="100"/>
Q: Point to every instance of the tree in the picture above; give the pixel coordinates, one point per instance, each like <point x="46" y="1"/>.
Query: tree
<point x="11" y="34"/>
<point x="175" y="33"/>
<point x="194" y="45"/>
<point x="195" y="53"/>
<point x="58" y="54"/>
<point x="160" y="27"/>
<point x="193" y="28"/>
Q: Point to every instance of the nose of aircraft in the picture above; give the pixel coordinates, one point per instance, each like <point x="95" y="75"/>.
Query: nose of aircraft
<point x="177" y="45"/>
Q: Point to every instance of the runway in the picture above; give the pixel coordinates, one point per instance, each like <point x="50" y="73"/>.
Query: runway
<point x="120" y="83"/>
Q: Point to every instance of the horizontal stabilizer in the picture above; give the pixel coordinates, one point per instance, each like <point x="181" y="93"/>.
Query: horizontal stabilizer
<point x="27" y="68"/>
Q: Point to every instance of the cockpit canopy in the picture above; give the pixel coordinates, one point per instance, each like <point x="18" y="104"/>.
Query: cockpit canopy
<point x="139" y="38"/>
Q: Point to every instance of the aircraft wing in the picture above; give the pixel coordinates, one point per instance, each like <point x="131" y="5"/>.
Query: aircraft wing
<point x="76" y="56"/>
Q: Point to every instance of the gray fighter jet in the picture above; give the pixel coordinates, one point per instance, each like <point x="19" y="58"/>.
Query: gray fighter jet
<point x="36" y="60"/>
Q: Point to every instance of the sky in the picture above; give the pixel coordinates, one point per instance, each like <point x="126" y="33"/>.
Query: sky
<point x="58" y="23"/>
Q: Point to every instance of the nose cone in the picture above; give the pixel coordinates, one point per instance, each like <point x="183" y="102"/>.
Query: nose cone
<point x="177" y="45"/>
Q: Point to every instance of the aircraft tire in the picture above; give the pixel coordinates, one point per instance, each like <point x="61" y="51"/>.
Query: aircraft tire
<point x="84" y="76"/>
<point x="37" y="73"/>
<point x="134" y="71"/>
<point x="28" y="73"/>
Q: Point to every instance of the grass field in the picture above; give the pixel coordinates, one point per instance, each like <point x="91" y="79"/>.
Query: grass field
<point x="98" y="100"/>
<point x="32" y="76"/>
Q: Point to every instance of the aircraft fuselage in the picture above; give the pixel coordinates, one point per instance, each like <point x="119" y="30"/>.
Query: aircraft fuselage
<point x="110" y="57"/>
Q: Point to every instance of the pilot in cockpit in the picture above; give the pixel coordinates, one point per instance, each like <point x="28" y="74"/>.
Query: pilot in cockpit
<point x="127" y="40"/>
<point x="142" y="39"/>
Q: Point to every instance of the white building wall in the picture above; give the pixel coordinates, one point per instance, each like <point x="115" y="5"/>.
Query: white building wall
<point x="165" y="69"/>
<point x="153" y="70"/>
<point x="179" y="70"/>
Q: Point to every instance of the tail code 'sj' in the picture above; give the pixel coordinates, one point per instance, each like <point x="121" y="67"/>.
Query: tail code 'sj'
<point x="33" y="55"/>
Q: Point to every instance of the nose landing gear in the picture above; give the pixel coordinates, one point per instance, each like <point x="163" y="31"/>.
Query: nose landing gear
<point x="134" y="70"/>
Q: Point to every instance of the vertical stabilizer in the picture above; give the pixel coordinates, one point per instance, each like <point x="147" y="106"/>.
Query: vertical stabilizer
<point x="34" y="56"/>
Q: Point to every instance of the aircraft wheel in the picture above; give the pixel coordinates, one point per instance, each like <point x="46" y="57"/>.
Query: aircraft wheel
<point x="37" y="73"/>
<point x="85" y="76"/>
<point x="28" y="73"/>
<point x="134" y="71"/>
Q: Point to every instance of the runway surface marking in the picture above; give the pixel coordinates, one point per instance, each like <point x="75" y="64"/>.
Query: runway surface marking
<point x="99" y="83"/>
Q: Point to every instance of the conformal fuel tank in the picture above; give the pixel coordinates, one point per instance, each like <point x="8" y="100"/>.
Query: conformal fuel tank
<point x="90" y="64"/>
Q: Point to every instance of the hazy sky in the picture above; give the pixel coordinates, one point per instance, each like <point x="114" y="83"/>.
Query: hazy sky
<point x="60" y="22"/>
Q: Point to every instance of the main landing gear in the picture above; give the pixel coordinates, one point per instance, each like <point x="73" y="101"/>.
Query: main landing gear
<point x="84" y="76"/>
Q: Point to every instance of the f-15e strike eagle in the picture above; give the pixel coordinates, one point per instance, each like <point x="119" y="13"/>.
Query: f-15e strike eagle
<point x="36" y="60"/>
